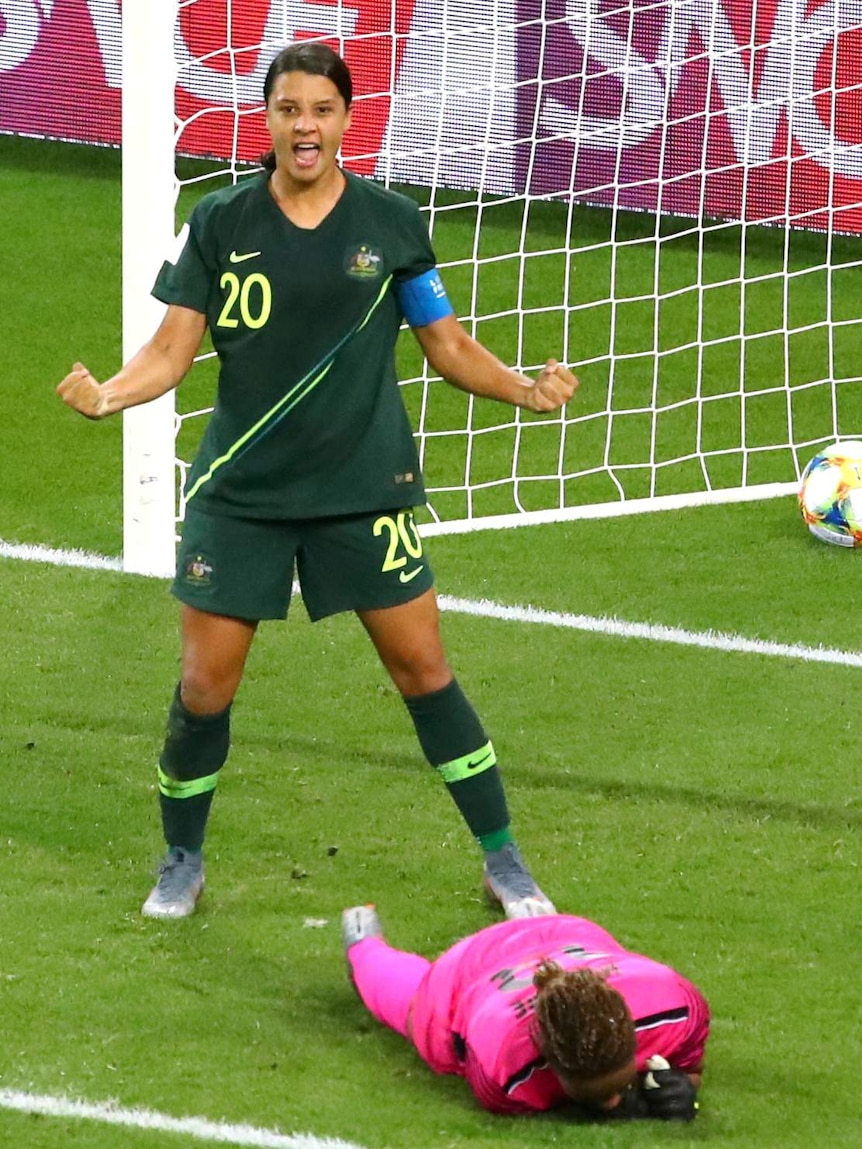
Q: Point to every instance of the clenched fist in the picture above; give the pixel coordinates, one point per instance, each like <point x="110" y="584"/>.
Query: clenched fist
<point x="554" y="387"/>
<point x="83" y="393"/>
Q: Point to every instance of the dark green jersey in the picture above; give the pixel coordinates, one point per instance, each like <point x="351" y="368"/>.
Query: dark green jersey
<point x="308" y="419"/>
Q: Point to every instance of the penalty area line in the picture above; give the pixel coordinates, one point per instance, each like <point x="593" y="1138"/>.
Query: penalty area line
<point x="108" y="1113"/>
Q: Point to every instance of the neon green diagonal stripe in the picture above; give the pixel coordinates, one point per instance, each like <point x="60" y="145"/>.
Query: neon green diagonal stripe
<point x="294" y="396"/>
<point x="279" y="408"/>
<point x="469" y="765"/>
<point x="174" y="788"/>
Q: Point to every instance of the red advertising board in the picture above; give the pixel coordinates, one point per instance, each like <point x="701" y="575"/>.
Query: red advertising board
<point x="721" y="107"/>
<point x="372" y="43"/>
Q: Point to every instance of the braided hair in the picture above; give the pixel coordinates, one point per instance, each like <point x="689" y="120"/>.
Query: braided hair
<point x="583" y="1026"/>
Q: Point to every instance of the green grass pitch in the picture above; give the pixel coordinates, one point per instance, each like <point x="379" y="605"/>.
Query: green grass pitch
<point x="703" y="805"/>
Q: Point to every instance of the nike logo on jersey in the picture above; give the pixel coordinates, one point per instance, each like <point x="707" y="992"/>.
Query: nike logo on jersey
<point x="479" y="761"/>
<point x="235" y="258"/>
<point x="409" y="576"/>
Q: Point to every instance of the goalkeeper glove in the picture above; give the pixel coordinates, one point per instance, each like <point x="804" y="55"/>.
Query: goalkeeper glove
<point x="663" y="1093"/>
<point x="669" y="1093"/>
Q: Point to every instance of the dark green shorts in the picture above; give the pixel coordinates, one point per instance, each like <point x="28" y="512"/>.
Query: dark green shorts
<point x="244" y="568"/>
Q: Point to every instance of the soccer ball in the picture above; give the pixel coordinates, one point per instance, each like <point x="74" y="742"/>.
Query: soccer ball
<point x="830" y="494"/>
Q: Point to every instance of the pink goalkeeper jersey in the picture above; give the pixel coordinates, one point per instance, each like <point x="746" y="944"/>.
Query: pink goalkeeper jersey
<point x="473" y="1011"/>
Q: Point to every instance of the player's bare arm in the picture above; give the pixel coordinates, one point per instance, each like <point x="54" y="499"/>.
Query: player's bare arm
<point x="157" y="368"/>
<point x="465" y="363"/>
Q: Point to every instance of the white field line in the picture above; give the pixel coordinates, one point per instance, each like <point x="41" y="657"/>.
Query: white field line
<point x="108" y="1113"/>
<point x="709" y="639"/>
<point x="39" y="554"/>
<point x="482" y="608"/>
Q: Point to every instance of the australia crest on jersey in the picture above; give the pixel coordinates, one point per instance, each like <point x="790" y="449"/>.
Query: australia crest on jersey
<point x="364" y="262"/>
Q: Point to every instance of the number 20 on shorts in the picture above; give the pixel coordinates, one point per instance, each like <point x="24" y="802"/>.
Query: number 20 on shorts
<point x="403" y="537"/>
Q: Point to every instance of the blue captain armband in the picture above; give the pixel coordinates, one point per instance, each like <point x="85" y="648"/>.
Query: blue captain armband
<point x="423" y="299"/>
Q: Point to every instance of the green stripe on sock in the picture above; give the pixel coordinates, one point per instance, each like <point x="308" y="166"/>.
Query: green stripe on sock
<point x="495" y="840"/>
<point x="469" y="765"/>
<point x="174" y="788"/>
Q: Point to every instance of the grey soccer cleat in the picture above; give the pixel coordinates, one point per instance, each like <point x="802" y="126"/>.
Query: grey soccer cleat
<point x="181" y="880"/>
<point x="359" y="923"/>
<point x="509" y="882"/>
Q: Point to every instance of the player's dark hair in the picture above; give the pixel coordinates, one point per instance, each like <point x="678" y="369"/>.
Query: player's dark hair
<point x="315" y="59"/>
<point x="583" y="1026"/>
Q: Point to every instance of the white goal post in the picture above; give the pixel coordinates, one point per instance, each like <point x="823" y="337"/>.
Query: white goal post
<point x="148" y="203"/>
<point x="666" y="195"/>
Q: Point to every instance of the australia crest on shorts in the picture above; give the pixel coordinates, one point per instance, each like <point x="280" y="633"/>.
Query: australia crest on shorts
<point x="198" y="571"/>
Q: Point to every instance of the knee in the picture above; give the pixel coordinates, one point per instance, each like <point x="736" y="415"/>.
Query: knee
<point x="420" y="674"/>
<point x="213" y="657"/>
<point x="206" y="689"/>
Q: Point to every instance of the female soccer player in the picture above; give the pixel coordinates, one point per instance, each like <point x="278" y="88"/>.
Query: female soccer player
<point x="302" y="276"/>
<point x="538" y="1013"/>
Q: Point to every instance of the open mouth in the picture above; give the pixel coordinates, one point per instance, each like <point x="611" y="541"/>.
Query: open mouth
<point x="306" y="154"/>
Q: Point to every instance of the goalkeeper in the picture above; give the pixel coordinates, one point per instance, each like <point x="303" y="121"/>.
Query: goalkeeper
<point x="302" y="276"/>
<point x="540" y="1013"/>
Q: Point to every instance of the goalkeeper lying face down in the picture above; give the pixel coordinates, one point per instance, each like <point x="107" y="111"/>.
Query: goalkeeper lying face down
<point x="539" y="1013"/>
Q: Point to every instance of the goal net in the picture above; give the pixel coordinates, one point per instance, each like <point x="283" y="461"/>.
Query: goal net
<point x="665" y="195"/>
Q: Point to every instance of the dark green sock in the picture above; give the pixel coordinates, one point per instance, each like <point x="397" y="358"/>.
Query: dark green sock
<point x="195" y="749"/>
<point x="456" y="745"/>
<point x="184" y="820"/>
